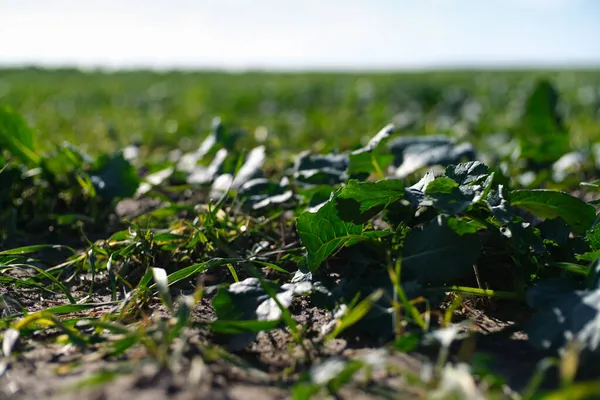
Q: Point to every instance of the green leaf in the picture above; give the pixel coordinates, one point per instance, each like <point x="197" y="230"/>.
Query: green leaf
<point x="248" y="300"/>
<point x="115" y="178"/>
<point x="327" y="169"/>
<point x="368" y="162"/>
<point x="467" y="173"/>
<point x="589" y="256"/>
<point x="261" y="193"/>
<point x="369" y="158"/>
<point x="17" y="138"/>
<point x="553" y="204"/>
<point x="437" y="255"/>
<point x="447" y="196"/>
<point x="414" y="153"/>
<point x="187" y="272"/>
<point x="324" y="232"/>
<point x="464" y="227"/>
<point x="241" y="300"/>
<point x="541" y="132"/>
<point x="563" y="312"/>
<point x="359" y="201"/>
<point x="593" y="237"/>
<point x="32" y="249"/>
<point x="498" y="201"/>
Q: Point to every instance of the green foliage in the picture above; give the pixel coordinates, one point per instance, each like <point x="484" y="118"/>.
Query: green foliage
<point x="115" y="178"/>
<point x="17" y="138"/>
<point x="542" y="126"/>
<point x="565" y="316"/>
<point x="353" y="225"/>
<point x="359" y="201"/>
<point x="438" y="255"/>
<point x="553" y="204"/>
<point x="324" y="232"/>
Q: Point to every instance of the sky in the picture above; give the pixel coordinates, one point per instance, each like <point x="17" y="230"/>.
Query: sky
<point x="300" y="34"/>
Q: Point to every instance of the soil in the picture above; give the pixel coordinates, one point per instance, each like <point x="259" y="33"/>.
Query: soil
<point x="265" y="369"/>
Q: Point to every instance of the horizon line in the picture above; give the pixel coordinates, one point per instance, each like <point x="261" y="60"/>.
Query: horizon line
<point x="430" y="67"/>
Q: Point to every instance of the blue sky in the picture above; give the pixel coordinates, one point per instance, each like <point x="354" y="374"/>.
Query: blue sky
<point x="313" y="34"/>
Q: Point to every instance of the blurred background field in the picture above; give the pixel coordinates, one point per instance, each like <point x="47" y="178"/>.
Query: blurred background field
<point x="103" y="111"/>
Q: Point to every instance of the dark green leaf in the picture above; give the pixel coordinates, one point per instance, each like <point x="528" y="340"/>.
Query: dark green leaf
<point x="542" y="136"/>
<point x="368" y="159"/>
<point x="17" y="138"/>
<point x="324" y="232"/>
<point x="328" y="169"/>
<point x="437" y="255"/>
<point x="464" y="227"/>
<point x="448" y="197"/>
<point x="358" y="200"/>
<point x="564" y="313"/>
<point x="414" y="153"/>
<point x="467" y="173"/>
<point x="499" y="203"/>
<point x="552" y="204"/>
<point x="115" y="178"/>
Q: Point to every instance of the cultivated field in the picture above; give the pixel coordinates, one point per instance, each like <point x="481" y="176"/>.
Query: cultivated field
<point x="315" y="235"/>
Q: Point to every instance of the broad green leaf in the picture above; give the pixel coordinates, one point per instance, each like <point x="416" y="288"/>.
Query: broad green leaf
<point x="66" y="159"/>
<point x="240" y="300"/>
<point x="463" y="226"/>
<point x="437" y="255"/>
<point x="260" y="193"/>
<point x="369" y="158"/>
<point x="248" y="300"/>
<point x="324" y="232"/>
<point x="562" y="313"/>
<point x="377" y="140"/>
<point x="498" y="201"/>
<point x="17" y="137"/>
<point x="541" y="132"/>
<point x="327" y="169"/>
<point x="467" y="173"/>
<point x="368" y="162"/>
<point x="553" y="204"/>
<point x="359" y="198"/>
<point x="447" y="196"/>
<point x="414" y="153"/>
<point x="115" y="178"/>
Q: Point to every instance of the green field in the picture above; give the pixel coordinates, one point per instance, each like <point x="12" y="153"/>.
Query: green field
<point x="299" y="235"/>
<point x="299" y="110"/>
